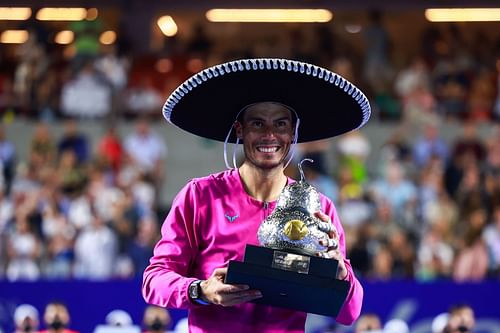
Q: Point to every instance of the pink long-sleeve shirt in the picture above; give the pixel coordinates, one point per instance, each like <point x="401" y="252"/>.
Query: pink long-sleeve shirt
<point x="210" y="222"/>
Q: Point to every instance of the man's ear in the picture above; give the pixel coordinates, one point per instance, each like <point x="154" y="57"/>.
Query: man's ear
<point x="238" y="129"/>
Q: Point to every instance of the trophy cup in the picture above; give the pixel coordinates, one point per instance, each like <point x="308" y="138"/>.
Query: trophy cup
<point x="285" y="268"/>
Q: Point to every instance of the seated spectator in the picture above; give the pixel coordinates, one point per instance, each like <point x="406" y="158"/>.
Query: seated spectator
<point x="26" y="319"/>
<point x="23" y="251"/>
<point x="119" y="318"/>
<point x="110" y="150"/>
<point x="428" y="145"/>
<point x="397" y="190"/>
<point x="143" y="100"/>
<point x="472" y="260"/>
<point x="96" y="248"/>
<point x="461" y="318"/>
<point x="439" y="323"/>
<point x="7" y="159"/>
<point x="73" y="139"/>
<point x="42" y="146"/>
<point x="368" y="322"/>
<point x="156" y="320"/>
<point x="56" y="318"/>
<point x="87" y="95"/>
<point x="396" y="326"/>
<point x="491" y="237"/>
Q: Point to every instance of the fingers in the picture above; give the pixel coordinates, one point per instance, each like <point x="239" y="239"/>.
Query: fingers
<point x="230" y="299"/>
<point x="218" y="292"/>
<point x="326" y="226"/>
<point x="331" y="243"/>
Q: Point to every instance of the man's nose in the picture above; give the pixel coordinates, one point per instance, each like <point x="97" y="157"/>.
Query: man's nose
<point x="269" y="131"/>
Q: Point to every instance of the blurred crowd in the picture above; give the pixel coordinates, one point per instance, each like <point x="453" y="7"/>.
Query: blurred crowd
<point x="56" y="318"/>
<point x="72" y="210"/>
<point x="428" y="209"/>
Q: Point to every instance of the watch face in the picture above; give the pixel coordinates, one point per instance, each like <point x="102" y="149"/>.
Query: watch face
<point x="193" y="290"/>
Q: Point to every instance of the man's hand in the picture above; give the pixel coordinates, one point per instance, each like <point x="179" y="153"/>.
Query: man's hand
<point x="332" y="244"/>
<point x="215" y="291"/>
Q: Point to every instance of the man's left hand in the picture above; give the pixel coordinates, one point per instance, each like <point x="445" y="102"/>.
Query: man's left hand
<point x="332" y="244"/>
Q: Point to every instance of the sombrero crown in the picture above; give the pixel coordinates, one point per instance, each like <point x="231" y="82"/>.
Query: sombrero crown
<point x="207" y="103"/>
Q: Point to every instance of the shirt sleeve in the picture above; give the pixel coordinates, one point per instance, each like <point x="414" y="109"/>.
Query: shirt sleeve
<point x="351" y="309"/>
<point x="166" y="279"/>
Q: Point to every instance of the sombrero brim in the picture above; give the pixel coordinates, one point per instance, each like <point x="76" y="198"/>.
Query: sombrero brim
<point x="207" y="103"/>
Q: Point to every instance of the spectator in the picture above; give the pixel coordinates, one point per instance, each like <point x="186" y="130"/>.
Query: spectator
<point x="469" y="143"/>
<point x="147" y="151"/>
<point x="119" y="318"/>
<point x="110" y="150"/>
<point x="87" y="95"/>
<point x="397" y="190"/>
<point x="473" y="258"/>
<point x="143" y="100"/>
<point x="42" y="146"/>
<point x="141" y="247"/>
<point x="491" y="237"/>
<point x="56" y="318"/>
<point x="73" y="140"/>
<point x="396" y="326"/>
<point x="377" y="68"/>
<point x="439" y="323"/>
<point x="86" y="41"/>
<point x="368" y="322"/>
<point x="429" y="145"/>
<point x="26" y="319"/>
<point x="461" y="318"/>
<point x="23" y="250"/>
<point x="7" y="160"/>
<point x="354" y="149"/>
<point x="156" y="320"/>
<point x="96" y="249"/>
<point x="118" y="321"/>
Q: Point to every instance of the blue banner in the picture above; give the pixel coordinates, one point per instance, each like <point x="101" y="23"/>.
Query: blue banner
<point x="416" y="303"/>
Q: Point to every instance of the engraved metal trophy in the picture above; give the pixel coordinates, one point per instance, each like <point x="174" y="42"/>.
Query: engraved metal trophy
<point x="285" y="268"/>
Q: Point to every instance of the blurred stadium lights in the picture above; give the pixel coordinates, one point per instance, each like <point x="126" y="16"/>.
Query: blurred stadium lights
<point x="167" y="25"/>
<point x="14" y="36"/>
<point x="92" y="14"/>
<point x="269" y="15"/>
<point x="107" y="37"/>
<point x="61" y="14"/>
<point x="64" y="37"/>
<point x="15" y="13"/>
<point x="462" y="14"/>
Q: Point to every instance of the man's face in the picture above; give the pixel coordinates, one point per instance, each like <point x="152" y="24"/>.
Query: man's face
<point x="267" y="132"/>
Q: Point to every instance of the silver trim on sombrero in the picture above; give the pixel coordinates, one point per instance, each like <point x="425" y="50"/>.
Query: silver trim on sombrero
<point x="267" y="64"/>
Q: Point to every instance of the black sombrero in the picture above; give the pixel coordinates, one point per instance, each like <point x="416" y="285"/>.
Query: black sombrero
<point x="207" y="103"/>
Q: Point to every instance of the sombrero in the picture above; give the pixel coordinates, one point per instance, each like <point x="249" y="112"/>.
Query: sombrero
<point x="207" y="103"/>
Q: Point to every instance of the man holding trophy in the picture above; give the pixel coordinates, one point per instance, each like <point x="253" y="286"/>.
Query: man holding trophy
<point x="249" y="249"/>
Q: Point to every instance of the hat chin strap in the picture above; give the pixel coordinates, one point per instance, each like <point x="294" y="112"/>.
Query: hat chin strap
<point x="291" y="152"/>
<point x="293" y="146"/>
<point x="234" y="149"/>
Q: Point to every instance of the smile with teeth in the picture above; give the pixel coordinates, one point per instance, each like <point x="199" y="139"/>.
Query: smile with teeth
<point x="268" y="149"/>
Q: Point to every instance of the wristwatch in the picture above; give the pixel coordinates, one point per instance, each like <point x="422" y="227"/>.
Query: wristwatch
<point x="194" y="291"/>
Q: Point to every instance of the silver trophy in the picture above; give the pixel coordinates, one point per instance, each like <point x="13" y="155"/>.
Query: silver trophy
<point x="293" y="226"/>
<point x="286" y="267"/>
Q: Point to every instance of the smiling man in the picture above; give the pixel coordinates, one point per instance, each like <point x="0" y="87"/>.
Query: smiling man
<point x="213" y="218"/>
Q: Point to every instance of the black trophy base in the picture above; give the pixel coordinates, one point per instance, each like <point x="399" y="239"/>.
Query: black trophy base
<point x="290" y="280"/>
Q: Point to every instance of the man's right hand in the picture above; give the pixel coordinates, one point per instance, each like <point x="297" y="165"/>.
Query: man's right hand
<point x="215" y="291"/>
